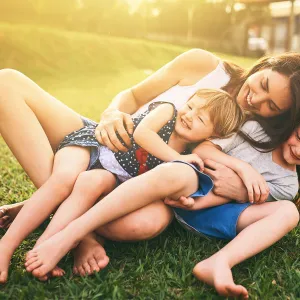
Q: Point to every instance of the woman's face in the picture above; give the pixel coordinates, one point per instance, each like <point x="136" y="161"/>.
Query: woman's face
<point x="265" y="93"/>
<point x="291" y="148"/>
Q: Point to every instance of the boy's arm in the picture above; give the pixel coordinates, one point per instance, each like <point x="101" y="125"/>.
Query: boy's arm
<point x="256" y="185"/>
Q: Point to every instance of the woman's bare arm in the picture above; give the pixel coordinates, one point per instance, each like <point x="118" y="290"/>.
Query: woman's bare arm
<point x="226" y="182"/>
<point x="186" y="69"/>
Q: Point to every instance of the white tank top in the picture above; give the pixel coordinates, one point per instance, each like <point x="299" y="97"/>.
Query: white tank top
<point x="179" y="94"/>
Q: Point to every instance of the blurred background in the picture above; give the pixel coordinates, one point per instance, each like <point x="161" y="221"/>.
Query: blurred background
<point x="245" y="27"/>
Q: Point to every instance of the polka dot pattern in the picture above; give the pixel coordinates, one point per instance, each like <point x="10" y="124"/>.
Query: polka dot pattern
<point x="127" y="161"/>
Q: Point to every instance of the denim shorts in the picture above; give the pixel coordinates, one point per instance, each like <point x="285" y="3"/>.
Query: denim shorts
<point x="218" y="221"/>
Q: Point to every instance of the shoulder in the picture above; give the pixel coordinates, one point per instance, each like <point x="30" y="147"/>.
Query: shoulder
<point x="197" y="60"/>
<point x="251" y="127"/>
<point x="284" y="188"/>
<point x="255" y="131"/>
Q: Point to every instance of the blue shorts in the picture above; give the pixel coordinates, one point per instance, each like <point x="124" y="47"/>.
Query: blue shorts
<point x="205" y="183"/>
<point x="218" y="221"/>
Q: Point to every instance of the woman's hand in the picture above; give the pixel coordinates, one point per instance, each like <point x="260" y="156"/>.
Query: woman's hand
<point x="255" y="183"/>
<point x="226" y="182"/>
<point x="186" y="203"/>
<point x="112" y="122"/>
<point x="193" y="159"/>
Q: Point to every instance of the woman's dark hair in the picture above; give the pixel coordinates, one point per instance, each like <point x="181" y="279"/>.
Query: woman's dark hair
<point x="280" y="127"/>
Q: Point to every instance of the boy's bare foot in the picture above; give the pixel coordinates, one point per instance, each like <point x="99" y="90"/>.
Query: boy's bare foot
<point x="5" y="258"/>
<point x="8" y="213"/>
<point x="89" y="256"/>
<point x="216" y="271"/>
<point x="44" y="258"/>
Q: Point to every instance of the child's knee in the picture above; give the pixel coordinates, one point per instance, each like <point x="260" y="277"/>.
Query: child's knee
<point x="95" y="180"/>
<point x="173" y="175"/>
<point x="289" y="212"/>
<point x="63" y="181"/>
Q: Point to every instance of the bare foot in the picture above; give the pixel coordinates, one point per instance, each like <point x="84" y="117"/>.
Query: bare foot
<point x="8" y="213"/>
<point x="44" y="258"/>
<point x="215" y="271"/>
<point x="89" y="257"/>
<point x="56" y="272"/>
<point x="5" y="258"/>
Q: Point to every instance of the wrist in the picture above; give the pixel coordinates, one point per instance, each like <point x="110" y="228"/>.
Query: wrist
<point x="241" y="167"/>
<point x="109" y="110"/>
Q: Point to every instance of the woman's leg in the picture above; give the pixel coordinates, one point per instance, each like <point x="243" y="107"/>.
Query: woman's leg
<point x="32" y="124"/>
<point x="68" y="163"/>
<point x="89" y="186"/>
<point x="163" y="181"/>
<point x="259" y="227"/>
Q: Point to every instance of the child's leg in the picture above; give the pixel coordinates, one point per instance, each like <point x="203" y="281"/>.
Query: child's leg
<point x="260" y="226"/>
<point x="68" y="163"/>
<point x="119" y="202"/>
<point x="89" y="186"/>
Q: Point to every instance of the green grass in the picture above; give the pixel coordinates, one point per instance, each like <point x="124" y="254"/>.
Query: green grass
<point x="85" y="71"/>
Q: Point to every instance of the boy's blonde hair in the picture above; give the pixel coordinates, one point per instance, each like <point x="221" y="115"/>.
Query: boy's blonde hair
<point x="225" y="113"/>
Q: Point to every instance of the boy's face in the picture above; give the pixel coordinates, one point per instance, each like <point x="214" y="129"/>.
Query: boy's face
<point x="193" y="123"/>
<point x="291" y="148"/>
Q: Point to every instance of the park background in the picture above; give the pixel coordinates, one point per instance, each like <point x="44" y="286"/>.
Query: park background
<point x="86" y="51"/>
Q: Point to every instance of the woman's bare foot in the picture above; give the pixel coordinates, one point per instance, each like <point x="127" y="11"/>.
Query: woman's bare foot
<point x="89" y="256"/>
<point x="8" y="213"/>
<point x="44" y="258"/>
<point x="5" y="257"/>
<point x="216" y="271"/>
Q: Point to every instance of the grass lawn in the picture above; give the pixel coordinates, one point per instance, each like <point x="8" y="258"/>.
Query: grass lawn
<point x="85" y="72"/>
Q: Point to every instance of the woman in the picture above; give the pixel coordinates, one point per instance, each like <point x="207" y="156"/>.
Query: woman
<point x="175" y="81"/>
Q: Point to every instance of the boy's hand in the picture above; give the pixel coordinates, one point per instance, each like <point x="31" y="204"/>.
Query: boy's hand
<point x="193" y="159"/>
<point x="186" y="203"/>
<point x="255" y="183"/>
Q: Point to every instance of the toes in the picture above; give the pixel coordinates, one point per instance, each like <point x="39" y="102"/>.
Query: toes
<point x="81" y="271"/>
<point x="238" y="291"/>
<point x="87" y="268"/>
<point x="3" y="212"/>
<point x="30" y="261"/>
<point x="75" y="271"/>
<point x="102" y="263"/>
<point x="33" y="266"/>
<point x="43" y="278"/>
<point x="3" y="277"/>
<point x="57" y="272"/>
<point x="30" y="254"/>
<point x="94" y="266"/>
<point x="4" y="221"/>
<point x="40" y="271"/>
